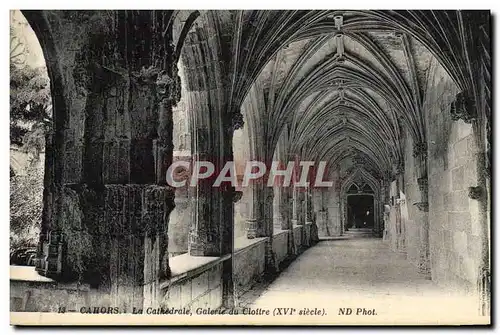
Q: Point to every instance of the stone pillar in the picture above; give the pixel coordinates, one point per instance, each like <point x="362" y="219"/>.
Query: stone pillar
<point x="211" y="231"/>
<point x="386" y="203"/>
<point x="308" y="206"/>
<point x="213" y="122"/>
<point x="282" y="212"/>
<point x="205" y="234"/>
<point x="295" y="211"/>
<point x="420" y="155"/>
<point x="302" y="206"/>
<point x="212" y="208"/>
<point x="400" y="224"/>
<point x="105" y="206"/>
<point x="281" y="195"/>
<point x="279" y="211"/>
<point x="260" y="222"/>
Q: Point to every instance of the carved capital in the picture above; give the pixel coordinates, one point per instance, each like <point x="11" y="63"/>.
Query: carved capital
<point x="475" y="192"/>
<point x="463" y="108"/>
<point x="164" y="86"/>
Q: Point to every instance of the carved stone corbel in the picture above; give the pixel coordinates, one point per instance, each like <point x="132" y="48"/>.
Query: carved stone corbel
<point x="475" y="192"/>
<point x="463" y="108"/>
<point x="164" y="86"/>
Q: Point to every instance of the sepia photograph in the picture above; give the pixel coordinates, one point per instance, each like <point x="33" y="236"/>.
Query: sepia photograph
<point x="250" y="167"/>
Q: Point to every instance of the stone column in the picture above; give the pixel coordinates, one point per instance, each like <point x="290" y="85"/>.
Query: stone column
<point x="105" y="208"/>
<point x="400" y="225"/>
<point x="308" y="206"/>
<point x="260" y="222"/>
<point x="205" y="234"/>
<point x="420" y="155"/>
<point x="295" y="211"/>
<point x="281" y="216"/>
<point x="280" y="211"/>
<point x="212" y="126"/>
<point x="212" y="208"/>
<point x="211" y="231"/>
<point x="386" y="186"/>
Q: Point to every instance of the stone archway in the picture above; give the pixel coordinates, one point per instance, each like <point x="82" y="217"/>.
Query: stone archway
<point x="359" y="179"/>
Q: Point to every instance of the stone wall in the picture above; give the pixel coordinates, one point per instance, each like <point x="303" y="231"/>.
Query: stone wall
<point x="241" y="213"/>
<point x="454" y="231"/>
<point x="30" y="292"/>
<point x="327" y="209"/>
<point x="199" y="287"/>
<point x="455" y="242"/>
<point x="195" y="281"/>
<point x="280" y="247"/>
<point x="249" y="264"/>
<point x="411" y="217"/>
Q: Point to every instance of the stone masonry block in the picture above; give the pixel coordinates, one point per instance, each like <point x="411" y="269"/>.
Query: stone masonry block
<point x="460" y="242"/>
<point x="457" y="179"/>
<point x="200" y="285"/>
<point x="186" y="293"/>
<point x="215" y="297"/>
<point x="461" y="149"/>
<point x="459" y="221"/>
<point x="215" y="276"/>
<point x="173" y="296"/>
<point x="473" y="246"/>
<point x="457" y="201"/>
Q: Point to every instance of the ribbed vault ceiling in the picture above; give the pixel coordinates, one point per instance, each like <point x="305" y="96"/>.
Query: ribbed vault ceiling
<point x="344" y="82"/>
<point x="346" y="95"/>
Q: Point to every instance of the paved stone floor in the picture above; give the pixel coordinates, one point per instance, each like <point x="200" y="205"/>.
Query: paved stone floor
<point x="360" y="271"/>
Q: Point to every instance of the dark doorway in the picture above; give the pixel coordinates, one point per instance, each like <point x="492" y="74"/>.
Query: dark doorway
<point x="360" y="211"/>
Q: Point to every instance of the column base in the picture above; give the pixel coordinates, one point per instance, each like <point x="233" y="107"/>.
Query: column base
<point x="279" y="223"/>
<point x="202" y="248"/>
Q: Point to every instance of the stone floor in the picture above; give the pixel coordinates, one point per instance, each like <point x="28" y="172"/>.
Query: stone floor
<point x="360" y="271"/>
